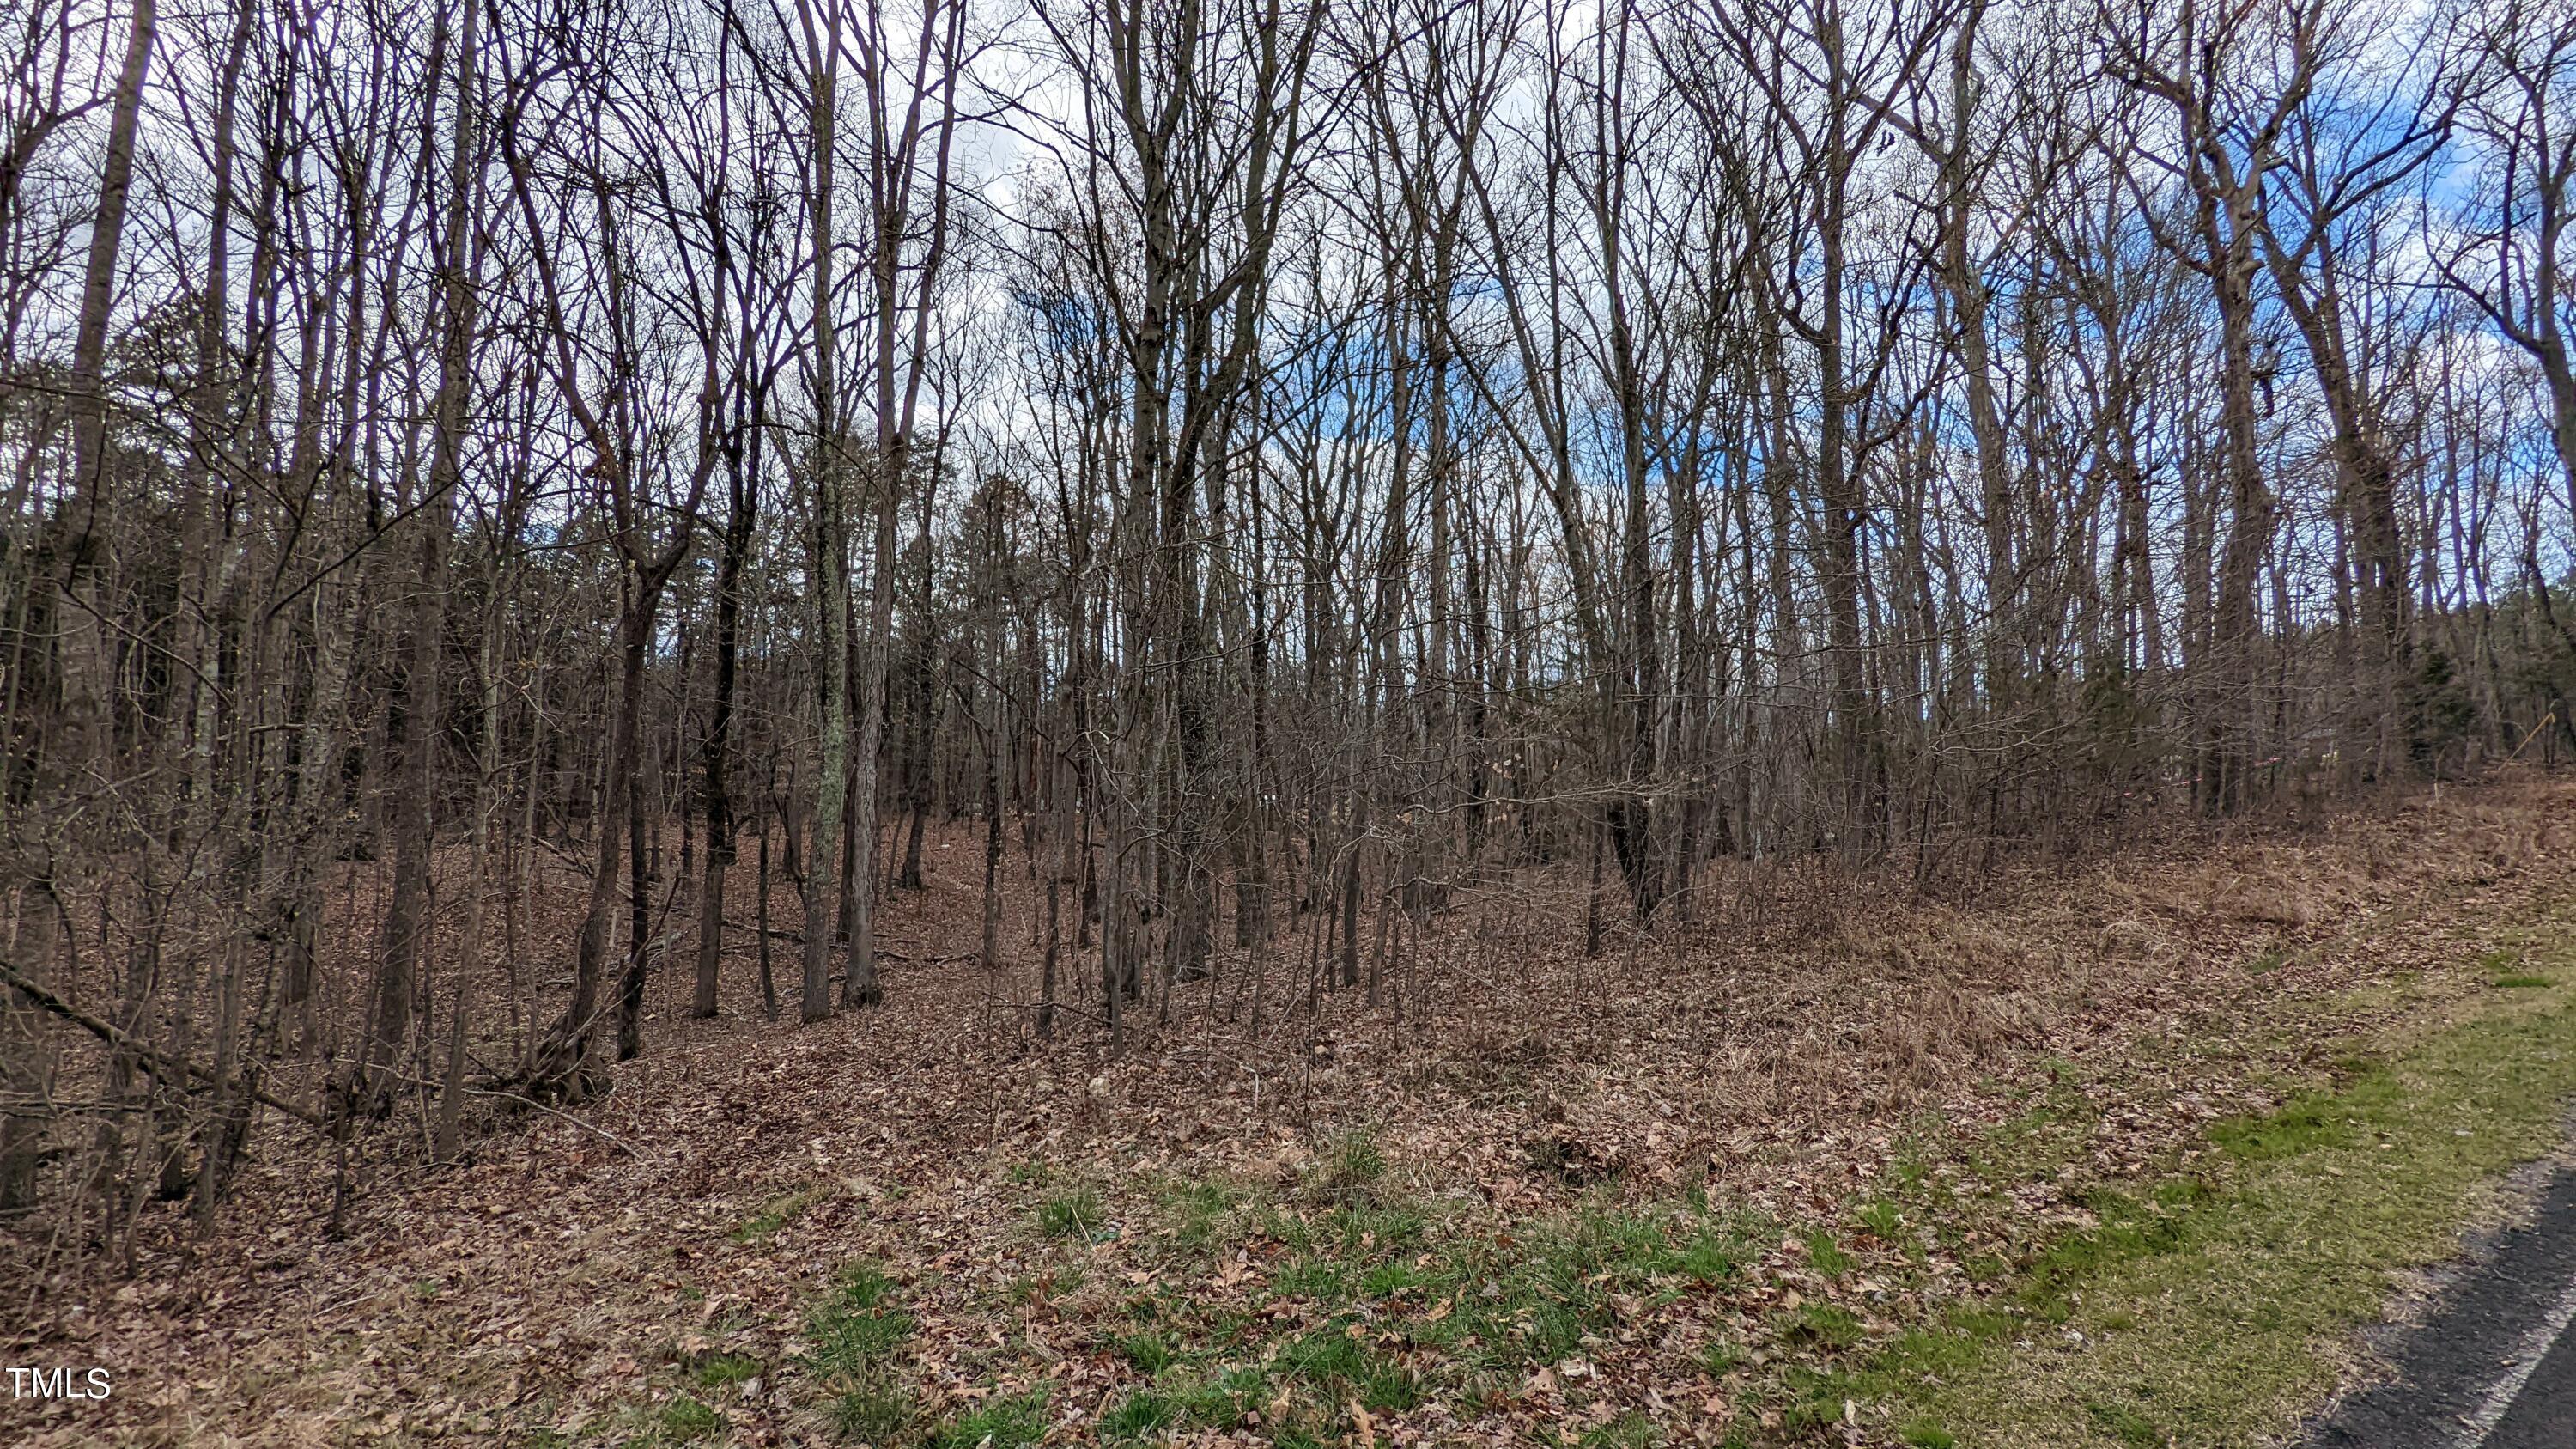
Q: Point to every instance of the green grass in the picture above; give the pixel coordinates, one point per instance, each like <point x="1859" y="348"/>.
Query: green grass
<point x="1391" y="1303"/>
<point x="1076" y="1214"/>
<point x="1147" y="1353"/>
<point x="724" y="1370"/>
<point x="1141" y="1413"/>
<point x="1200" y="1212"/>
<point x="2214" y="1308"/>
<point x="1710" y="1257"/>
<point x="2126" y="1426"/>
<point x="855" y="1332"/>
<point x="1882" y="1218"/>
<point x="874" y="1413"/>
<point x="1824" y="1325"/>
<point x="1010" y="1422"/>
<point x="1340" y="1366"/>
<point x="681" y="1421"/>
<point x="857" y="1326"/>
<point x="1351" y="1168"/>
<point x="1827" y="1255"/>
<point x="1628" y="1431"/>
<point x="777" y="1213"/>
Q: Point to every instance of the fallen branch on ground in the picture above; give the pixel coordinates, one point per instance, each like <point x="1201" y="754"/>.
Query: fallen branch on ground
<point x="160" y="1063"/>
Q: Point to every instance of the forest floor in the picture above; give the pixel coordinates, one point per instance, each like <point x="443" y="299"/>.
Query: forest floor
<point x="2118" y="1152"/>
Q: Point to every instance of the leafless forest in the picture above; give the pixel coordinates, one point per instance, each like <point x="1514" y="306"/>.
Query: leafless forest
<point x="523" y="516"/>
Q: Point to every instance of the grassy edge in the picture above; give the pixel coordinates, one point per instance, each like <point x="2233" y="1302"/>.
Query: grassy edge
<point x="2221" y="1306"/>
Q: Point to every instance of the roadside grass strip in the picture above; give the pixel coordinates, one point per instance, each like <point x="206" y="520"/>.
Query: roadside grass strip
<point x="2218" y="1308"/>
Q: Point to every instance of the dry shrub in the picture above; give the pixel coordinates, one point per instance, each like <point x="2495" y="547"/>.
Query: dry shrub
<point x="1908" y="1045"/>
<point x="1944" y="1029"/>
<point x="2127" y="938"/>
<point x="1485" y="1053"/>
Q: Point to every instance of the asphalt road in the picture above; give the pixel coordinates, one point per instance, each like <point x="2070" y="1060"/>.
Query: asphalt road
<point x="2494" y="1365"/>
<point x="2543" y="1415"/>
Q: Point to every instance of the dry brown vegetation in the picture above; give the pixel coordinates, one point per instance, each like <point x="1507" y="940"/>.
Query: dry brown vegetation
<point x="1128" y="719"/>
<point x="1780" y="1055"/>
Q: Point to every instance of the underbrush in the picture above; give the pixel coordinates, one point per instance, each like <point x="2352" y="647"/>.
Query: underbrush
<point x="1849" y="1168"/>
<point x="2205" y="1297"/>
